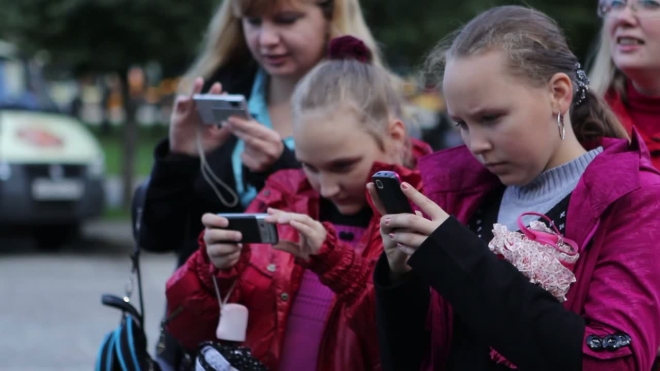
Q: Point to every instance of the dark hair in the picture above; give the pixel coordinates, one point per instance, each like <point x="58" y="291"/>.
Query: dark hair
<point x="537" y="50"/>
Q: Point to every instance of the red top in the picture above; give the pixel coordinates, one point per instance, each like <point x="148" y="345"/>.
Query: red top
<point x="642" y="112"/>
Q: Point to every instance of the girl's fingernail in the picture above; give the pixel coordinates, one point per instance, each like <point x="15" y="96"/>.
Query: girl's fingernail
<point x="391" y="235"/>
<point x="387" y="221"/>
<point x="405" y="185"/>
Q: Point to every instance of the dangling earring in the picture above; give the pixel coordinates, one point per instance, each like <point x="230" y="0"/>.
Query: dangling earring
<point x="562" y="127"/>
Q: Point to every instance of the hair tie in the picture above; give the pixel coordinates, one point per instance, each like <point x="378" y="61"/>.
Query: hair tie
<point x="349" y="47"/>
<point x="583" y="84"/>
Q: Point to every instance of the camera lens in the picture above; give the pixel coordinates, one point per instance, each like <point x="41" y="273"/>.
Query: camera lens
<point x="379" y="184"/>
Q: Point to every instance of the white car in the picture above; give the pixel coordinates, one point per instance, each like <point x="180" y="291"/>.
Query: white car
<point x="51" y="166"/>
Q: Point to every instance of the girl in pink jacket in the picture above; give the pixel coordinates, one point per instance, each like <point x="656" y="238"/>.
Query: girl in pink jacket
<point x="470" y="285"/>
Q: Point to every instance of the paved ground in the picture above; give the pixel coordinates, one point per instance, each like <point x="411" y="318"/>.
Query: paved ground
<point x="51" y="317"/>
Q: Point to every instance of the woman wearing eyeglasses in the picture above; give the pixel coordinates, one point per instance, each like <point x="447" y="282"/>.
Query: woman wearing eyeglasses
<point x="627" y="66"/>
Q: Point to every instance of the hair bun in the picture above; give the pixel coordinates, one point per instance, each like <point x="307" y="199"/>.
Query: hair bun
<point x="349" y="47"/>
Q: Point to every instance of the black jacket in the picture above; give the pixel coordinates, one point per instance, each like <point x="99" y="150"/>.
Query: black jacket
<point x="485" y="294"/>
<point x="177" y="195"/>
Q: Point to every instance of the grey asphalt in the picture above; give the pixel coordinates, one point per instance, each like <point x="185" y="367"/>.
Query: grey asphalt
<point x="51" y="317"/>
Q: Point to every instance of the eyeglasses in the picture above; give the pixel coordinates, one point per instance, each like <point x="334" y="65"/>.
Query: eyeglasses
<point x="646" y="8"/>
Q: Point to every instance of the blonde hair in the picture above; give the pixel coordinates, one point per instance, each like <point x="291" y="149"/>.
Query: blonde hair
<point x="224" y="41"/>
<point x="367" y="90"/>
<point x="537" y="50"/>
<point x="604" y="75"/>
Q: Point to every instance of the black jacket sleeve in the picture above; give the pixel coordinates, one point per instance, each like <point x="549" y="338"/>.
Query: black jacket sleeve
<point x="522" y="321"/>
<point x="287" y="160"/>
<point x="177" y="195"/>
<point x="401" y="311"/>
<point x="167" y="198"/>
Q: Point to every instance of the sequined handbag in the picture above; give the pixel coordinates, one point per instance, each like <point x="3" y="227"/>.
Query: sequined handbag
<point x="215" y="356"/>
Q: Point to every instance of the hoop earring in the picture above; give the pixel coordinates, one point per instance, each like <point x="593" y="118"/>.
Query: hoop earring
<point x="561" y="126"/>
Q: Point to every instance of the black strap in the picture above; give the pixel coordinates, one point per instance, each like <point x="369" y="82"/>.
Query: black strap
<point x="137" y="207"/>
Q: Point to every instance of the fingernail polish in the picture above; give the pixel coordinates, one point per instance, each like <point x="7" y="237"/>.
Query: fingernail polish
<point x="387" y="221"/>
<point x="405" y="185"/>
<point x="391" y="235"/>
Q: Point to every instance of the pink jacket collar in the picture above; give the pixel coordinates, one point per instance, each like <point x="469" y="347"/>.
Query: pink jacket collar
<point x="455" y="180"/>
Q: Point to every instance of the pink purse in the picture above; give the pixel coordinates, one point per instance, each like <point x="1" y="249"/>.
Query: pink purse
<point x="545" y="237"/>
<point x="540" y="253"/>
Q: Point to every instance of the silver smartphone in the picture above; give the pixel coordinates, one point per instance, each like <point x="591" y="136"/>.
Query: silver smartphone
<point x="253" y="227"/>
<point x="216" y="108"/>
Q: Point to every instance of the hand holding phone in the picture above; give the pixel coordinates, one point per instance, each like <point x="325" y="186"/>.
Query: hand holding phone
<point x="312" y="233"/>
<point x="387" y="188"/>
<point x="225" y="234"/>
<point x="185" y="122"/>
<point x="253" y="227"/>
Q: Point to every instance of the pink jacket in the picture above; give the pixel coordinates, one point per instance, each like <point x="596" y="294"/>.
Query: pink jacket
<point x="614" y="215"/>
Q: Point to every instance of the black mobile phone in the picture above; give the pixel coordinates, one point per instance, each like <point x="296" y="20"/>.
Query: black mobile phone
<point x="253" y="227"/>
<point x="388" y="187"/>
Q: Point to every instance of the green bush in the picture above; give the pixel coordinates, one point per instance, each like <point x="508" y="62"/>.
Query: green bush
<point x="112" y="143"/>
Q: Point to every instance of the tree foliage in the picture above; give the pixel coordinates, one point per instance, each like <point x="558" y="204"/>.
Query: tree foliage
<point x="408" y="30"/>
<point x="108" y="35"/>
<point x="112" y="34"/>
